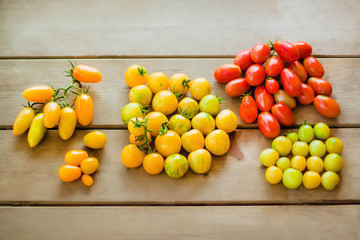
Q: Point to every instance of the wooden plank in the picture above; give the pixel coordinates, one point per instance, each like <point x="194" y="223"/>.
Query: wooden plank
<point x="111" y="94"/>
<point x="231" y="222"/>
<point x="157" y="28"/>
<point x="29" y="176"/>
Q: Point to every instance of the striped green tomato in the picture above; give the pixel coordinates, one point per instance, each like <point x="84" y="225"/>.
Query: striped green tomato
<point x="176" y="165"/>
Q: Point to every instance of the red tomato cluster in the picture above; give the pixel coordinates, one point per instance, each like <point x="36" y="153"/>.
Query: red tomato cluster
<point x="276" y="82"/>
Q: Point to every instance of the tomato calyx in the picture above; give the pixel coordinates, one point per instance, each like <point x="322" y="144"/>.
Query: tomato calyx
<point x="163" y="129"/>
<point x="141" y="71"/>
<point x="305" y="123"/>
<point x="145" y="147"/>
<point x="186" y="114"/>
<point x="184" y="83"/>
<point x="271" y="45"/>
<point x="31" y="105"/>
<point x="219" y="98"/>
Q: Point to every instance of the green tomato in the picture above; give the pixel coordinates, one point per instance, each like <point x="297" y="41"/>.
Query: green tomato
<point x="293" y="136"/>
<point x="306" y="133"/>
<point x="268" y="157"/>
<point x="300" y="148"/>
<point x="334" y="145"/>
<point x="283" y="163"/>
<point x="333" y="162"/>
<point x="292" y="178"/>
<point x="210" y="104"/>
<point x="330" y="180"/>
<point x="132" y="110"/>
<point x="282" y="145"/>
<point x="317" y="148"/>
<point x="322" y="131"/>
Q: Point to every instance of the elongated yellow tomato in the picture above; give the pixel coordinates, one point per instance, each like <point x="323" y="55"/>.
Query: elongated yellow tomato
<point x="155" y="119"/>
<point x="74" y="157"/>
<point x="188" y="107"/>
<point x="23" y="120"/>
<point x="168" y="144"/>
<point x="51" y="114"/>
<point x="140" y="94"/>
<point x="95" y="140"/>
<point x="38" y="94"/>
<point x="37" y="130"/>
<point x="165" y="102"/>
<point x="136" y="75"/>
<point x="157" y="82"/>
<point x="67" y="122"/>
<point x="217" y="142"/>
<point x="179" y="83"/>
<point x="84" y="108"/>
<point x="179" y="124"/>
<point x="69" y="173"/>
<point x="86" y="74"/>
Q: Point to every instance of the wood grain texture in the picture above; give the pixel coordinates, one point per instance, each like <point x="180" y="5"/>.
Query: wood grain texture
<point x="111" y="94"/>
<point x="161" y="28"/>
<point x="29" y="176"/>
<point x="231" y="222"/>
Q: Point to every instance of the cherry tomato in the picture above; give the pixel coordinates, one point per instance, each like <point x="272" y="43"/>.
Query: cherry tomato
<point x="243" y="59"/>
<point x="69" y="173"/>
<point x="155" y="120"/>
<point x="274" y="66"/>
<point x="260" y="53"/>
<point x="84" y="109"/>
<point x="307" y="95"/>
<point x="51" y="114"/>
<point x="136" y="75"/>
<point x="157" y="82"/>
<point x="179" y="124"/>
<point x="286" y="51"/>
<point x="298" y="69"/>
<point x="291" y="83"/>
<point x="199" y="88"/>
<point x="268" y="125"/>
<point x="67" y="122"/>
<point x="38" y="94"/>
<point x="86" y="74"/>
<point x="227" y="72"/>
<point x="304" y="48"/>
<point x="313" y="67"/>
<point x="283" y="114"/>
<point x="95" y="140"/>
<point x="89" y="165"/>
<point x="153" y="163"/>
<point x="248" y="109"/>
<point x="203" y="122"/>
<point x="272" y="86"/>
<point x="130" y="111"/>
<point x="255" y="75"/>
<point x="237" y="87"/>
<point x="87" y="180"/>
<point x="179" y="83"/>
<point x="327" y="106"/>
<point x="37" y="130"/>
<point x="192" y="140"/>
<point x="74" y="157"/>
<point x="264" y="100"/>
<point x="320" y="86"/>
<point x="188" y="107"/>
<point x="23" y="120"/>
<point x="165" y="102"/>
<point x="282" y="97"/>
<point x="168" y="144"/>
<point x="132" y="156"/>
<point x="217" y="142"/>
<point x="140" y="94"/>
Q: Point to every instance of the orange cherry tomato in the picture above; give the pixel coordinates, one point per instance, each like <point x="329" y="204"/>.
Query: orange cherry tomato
<point x="69" y="173"/>
<point x="23" y="121"/>
<point x="38" y="94"/>
<point x="84" y="108"/>
<point x="67" y="123"/>
<point x="51" y="114"/>
<point x="74" y="157"/>
<point x="86" y="74"/>
<point x="132" y="156"/>
<point x="87" y="180"/>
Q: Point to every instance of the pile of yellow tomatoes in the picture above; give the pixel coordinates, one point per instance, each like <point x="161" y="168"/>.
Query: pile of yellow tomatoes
<point x="162" y="132"/>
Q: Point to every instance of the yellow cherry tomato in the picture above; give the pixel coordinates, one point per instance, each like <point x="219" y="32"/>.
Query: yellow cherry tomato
<point x="153" y="163"/>
<point x="37" y="130"/>
<point x="138" y="142"/>
<point x="298" y="162"/>
<point x="136" y="75"/>
<point x="69" y="173"/>
<point x="67" y="122"/>
<point x="132" y="110"/>
<point x="86" y="74"/>
<point x="51" y="114"/>
<point x="329" y="180"/>
<point x="157" y="82"/>
<point x="23" y="120"/>
<point x="165" y="102"/>
<point x="311" y="179"/>
<point x="132" y="156"/>
<point x="89" y="165"/>
<point x="199" y="88"/>
<point x="74" y="157"/>
<point x="84" y="108"/>
<point x="192" y="140"/>
<point x="179" y="124"/>
<point x="95" y="140"/>
<point x="315" y="164"/>
<point x="273" y="175"/>
<point x="269" y="157"/>
<point x="203" y="122"/>
<point x="188" y="107"/>
<point x="169" y="143"/>
<point x="155" y="119"/>
<point x="135" y="128"/>
<point x="217" y="142"/>
<point x="179" y="83"/>
<point x="38" y="94"/>
<point x="140" y="94"/>
<point x="200" y="161"/>
<point x="226" y="120"/>
<point x="87" y="180"/>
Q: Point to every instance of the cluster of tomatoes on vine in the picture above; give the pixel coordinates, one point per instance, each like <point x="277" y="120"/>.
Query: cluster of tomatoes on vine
<point x="274" y="83"/>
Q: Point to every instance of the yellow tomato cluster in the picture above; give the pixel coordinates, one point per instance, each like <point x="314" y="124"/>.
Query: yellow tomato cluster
<point x="197" y="126"/>
<point x="57" y="110"/>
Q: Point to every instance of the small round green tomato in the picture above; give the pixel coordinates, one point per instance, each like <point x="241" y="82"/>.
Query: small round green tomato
<point x="292" y="178"/>
<point x="334" y="145"/>
<point x="330" y="180"/>
<point x="293" y="136"/>
<point x="268" y="157"/>
<point x="333" y="162"/>
<point x="322" y="131"/>
<point x="273" y="175"/>
<point x="315" y="164"/>
<point x="283" y="163"/>
<point x="282" y="145"/>
<point x="317" y="148"/>
<point x="306" y="133"/>
<point x="210" y="104"/>
<point x="300" y="148"/>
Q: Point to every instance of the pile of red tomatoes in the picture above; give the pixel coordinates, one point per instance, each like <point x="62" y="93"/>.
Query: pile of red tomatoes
<point x="277" y="75"/>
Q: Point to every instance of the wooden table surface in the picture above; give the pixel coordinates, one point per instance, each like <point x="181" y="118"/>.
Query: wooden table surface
<point x="232" y="201"/>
